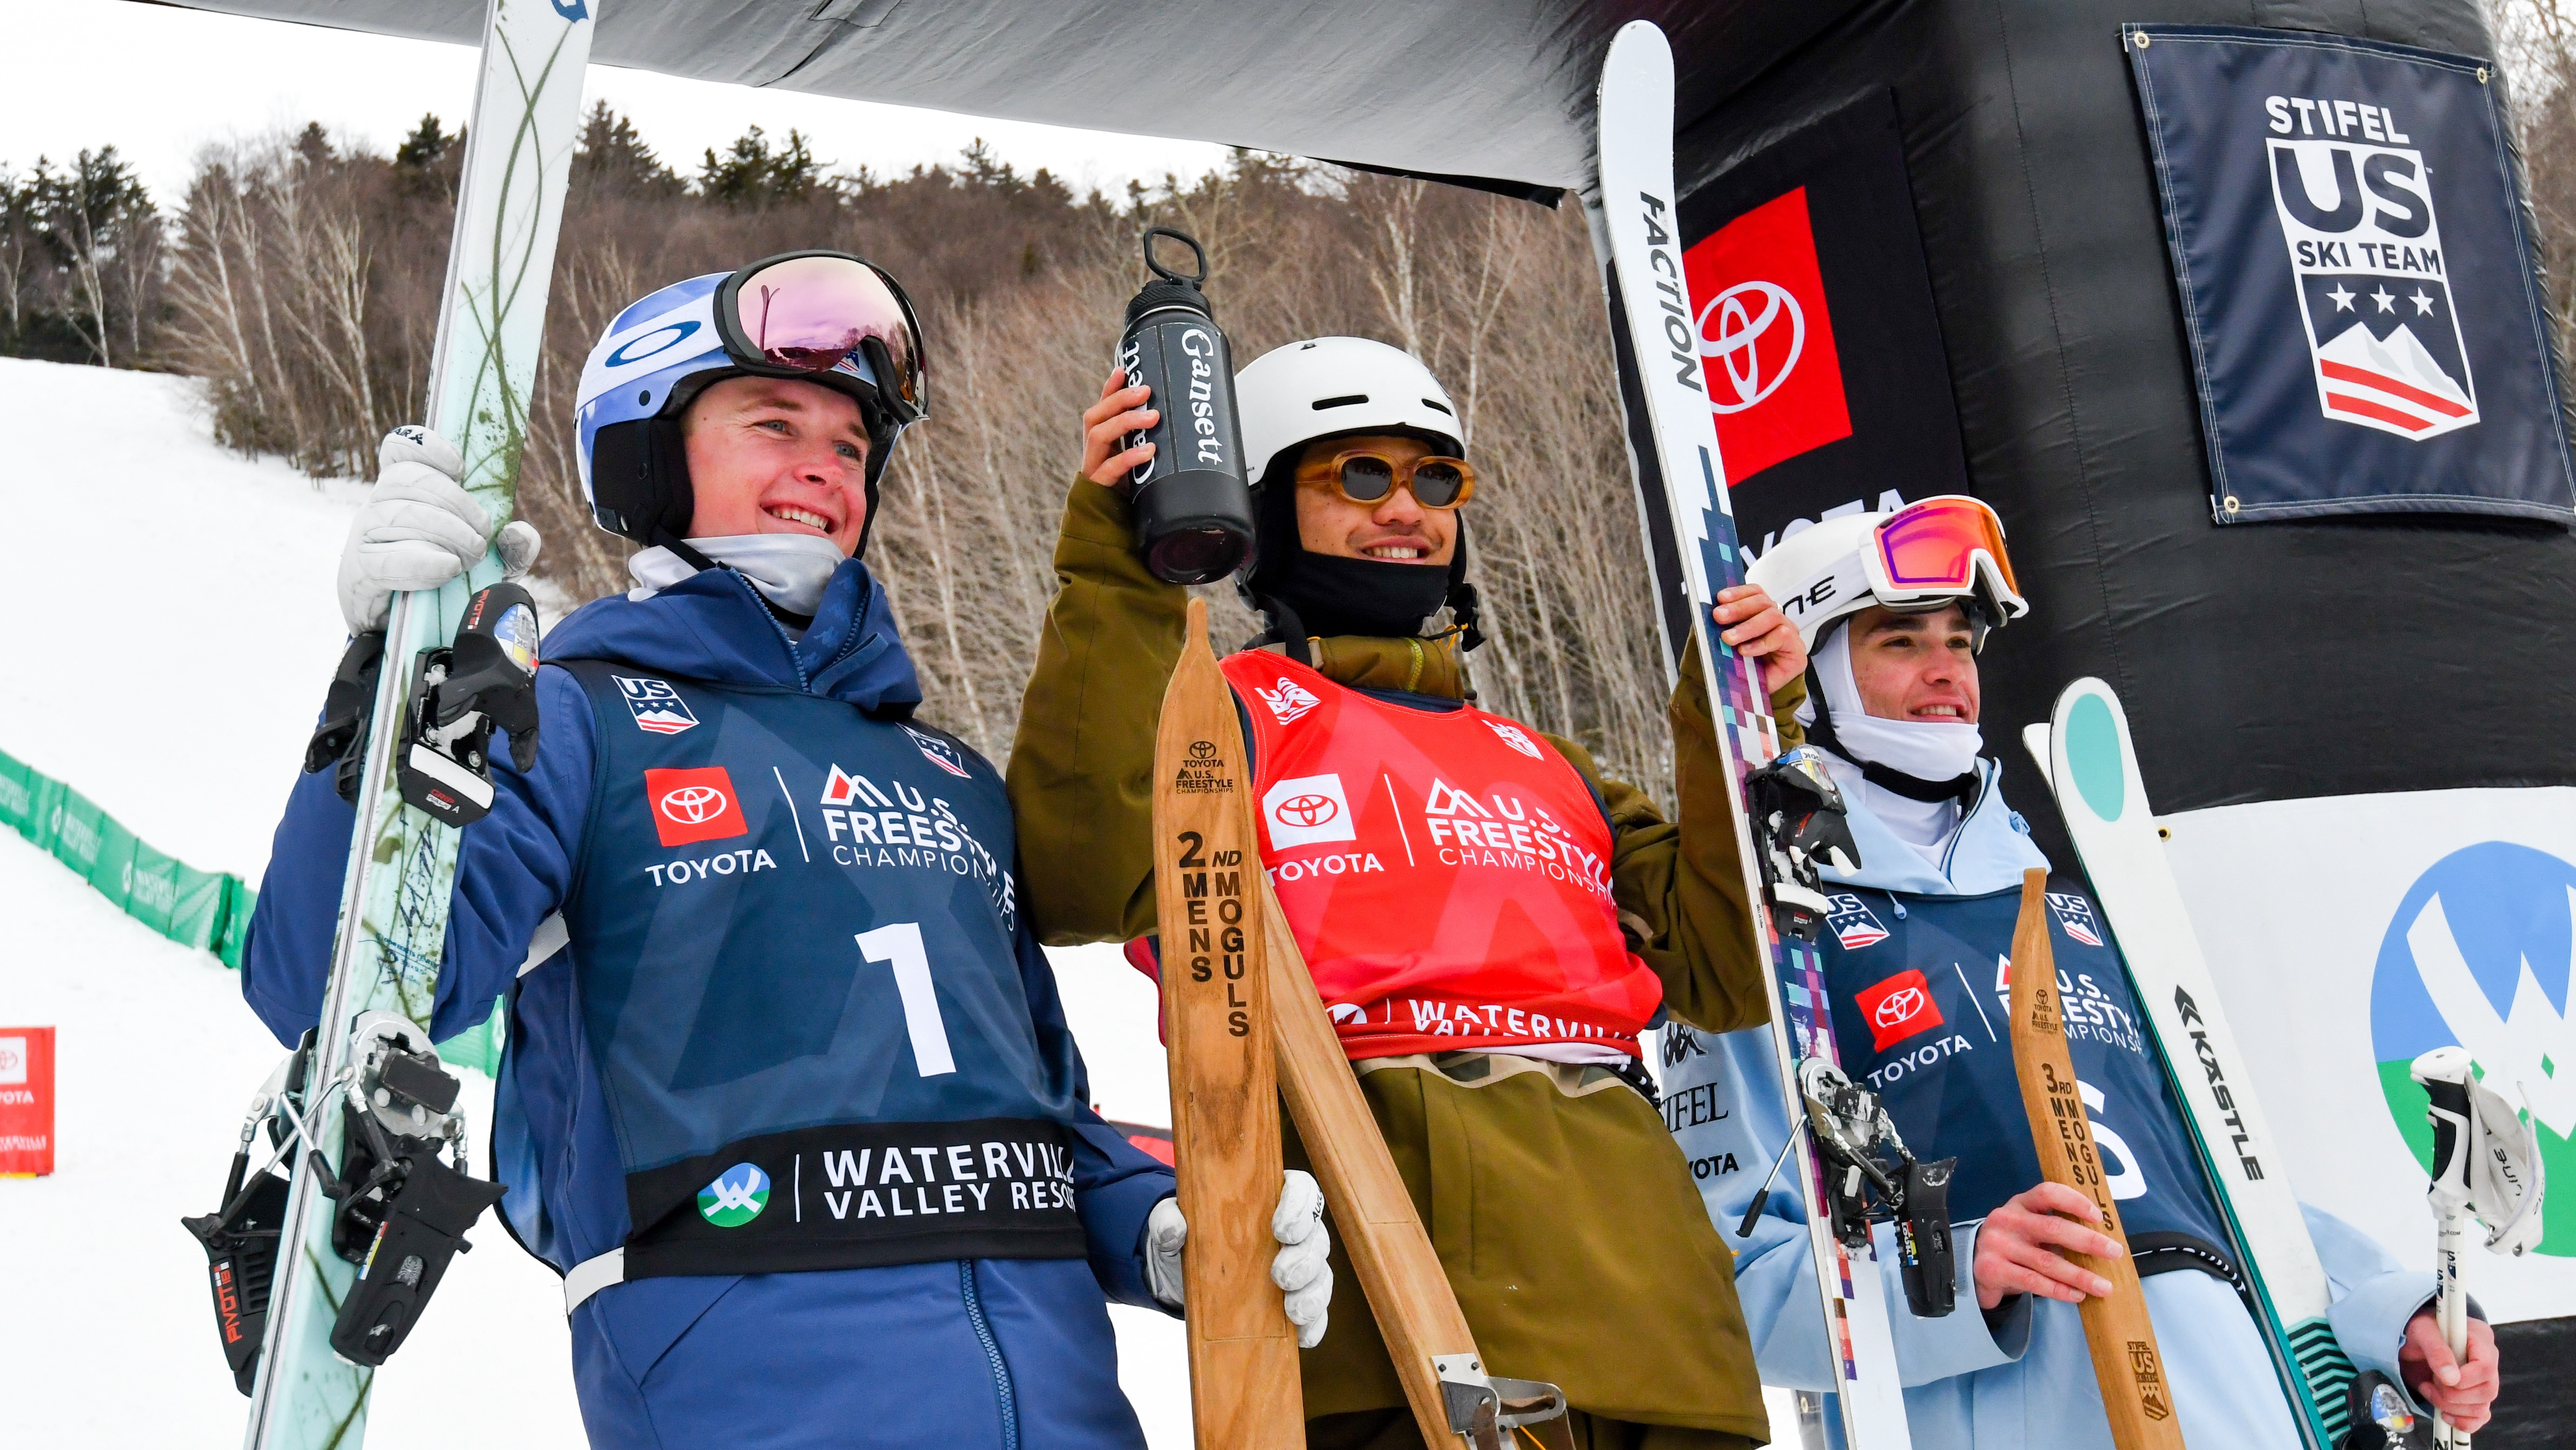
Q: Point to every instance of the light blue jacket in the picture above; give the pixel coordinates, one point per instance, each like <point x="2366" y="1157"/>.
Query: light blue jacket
<point x="2028" y="1380"/>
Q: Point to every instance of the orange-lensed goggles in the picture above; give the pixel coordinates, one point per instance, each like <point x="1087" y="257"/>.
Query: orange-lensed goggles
<point x="1437" y="483"/>
<point x="1942" y="548"/>
<point x="801" y="314"/>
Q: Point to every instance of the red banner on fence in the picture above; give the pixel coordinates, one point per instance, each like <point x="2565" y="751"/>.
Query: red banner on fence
<point x="26" y="1101"/>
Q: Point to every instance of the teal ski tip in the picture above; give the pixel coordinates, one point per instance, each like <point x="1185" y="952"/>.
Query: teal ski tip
<point x="2093" y="753"/>
<point x="2096" y="755"/>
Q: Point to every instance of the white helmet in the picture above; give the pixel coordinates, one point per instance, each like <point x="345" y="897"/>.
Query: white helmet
<point x="1948" y="549"/>
<point x="1336" y="385"/>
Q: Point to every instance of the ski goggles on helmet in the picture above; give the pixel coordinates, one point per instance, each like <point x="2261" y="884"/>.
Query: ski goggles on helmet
<point x="1367" y="478"/>
<point x="1934" y="552"/>
<point x="823" y="314"/>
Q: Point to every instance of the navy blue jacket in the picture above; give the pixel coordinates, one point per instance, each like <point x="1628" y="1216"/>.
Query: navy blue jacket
<point x="953" y="1332"/>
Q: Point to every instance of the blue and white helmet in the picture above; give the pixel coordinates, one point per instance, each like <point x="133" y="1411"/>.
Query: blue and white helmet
<point x="657" y="355"/>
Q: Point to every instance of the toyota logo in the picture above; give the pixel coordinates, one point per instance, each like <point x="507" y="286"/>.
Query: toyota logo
<point x="1897" y="1006"/>
<point x="1737" y="346"/>
<point x="1202" y="750"/>
<point x="693" y="805"/>
<point x="1306" y="810"/>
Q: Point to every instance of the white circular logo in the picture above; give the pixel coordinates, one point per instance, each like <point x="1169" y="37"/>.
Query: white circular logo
<point x="1897" y="1006"/>
<point x="694" y="805"/>
<point x="1754" y="368"/>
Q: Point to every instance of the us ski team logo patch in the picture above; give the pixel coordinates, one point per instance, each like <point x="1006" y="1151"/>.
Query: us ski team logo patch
<point x="2075" y="914"/>
<point x="736" y="1197"/>
<point x="940" y="753"/>
<point x="1513" y="737"/>
<point x="657" y="707"/>
<point x="2357" y="215"/>
<point x="1852" y="922"/>
<point x="1288" y="701"/>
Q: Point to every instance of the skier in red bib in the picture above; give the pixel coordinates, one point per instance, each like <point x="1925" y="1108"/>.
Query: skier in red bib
<point x="1490" y="922"/>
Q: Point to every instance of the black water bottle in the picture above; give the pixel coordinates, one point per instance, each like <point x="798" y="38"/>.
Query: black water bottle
<point x="1193" y="508"/>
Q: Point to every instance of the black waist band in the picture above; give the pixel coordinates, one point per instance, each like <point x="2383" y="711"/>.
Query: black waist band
<point x="2162" y="1253"/>
<point x="859" y="1195"/>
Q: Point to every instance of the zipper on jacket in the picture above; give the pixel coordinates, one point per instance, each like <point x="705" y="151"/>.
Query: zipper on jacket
<point x="1986" y="788"/>
<point x="992" y="1355"/>
<point x="804" y="682"/>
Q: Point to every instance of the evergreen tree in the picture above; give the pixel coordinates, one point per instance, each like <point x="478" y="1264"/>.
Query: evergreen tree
<point x="991" y="172"/>
<point x="100" y="240"/>
<point x="750" y="174"/>
<point x="614" y="161"/>
<point x="313" y="145"/>
<point x="422" y="149"/>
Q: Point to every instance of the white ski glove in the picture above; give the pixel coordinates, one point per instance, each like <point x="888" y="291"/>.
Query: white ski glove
<point x="419" y="528"/>
<point x="1300" y="1269"/>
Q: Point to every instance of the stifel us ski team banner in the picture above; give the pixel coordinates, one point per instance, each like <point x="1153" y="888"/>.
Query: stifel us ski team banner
<point x="2348" y="241"/>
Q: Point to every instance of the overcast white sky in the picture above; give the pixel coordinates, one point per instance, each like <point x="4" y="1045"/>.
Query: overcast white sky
<point x="158" y="83"/>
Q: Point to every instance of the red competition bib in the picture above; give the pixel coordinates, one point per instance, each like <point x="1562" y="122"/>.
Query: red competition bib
<point x="1448" y="874"/>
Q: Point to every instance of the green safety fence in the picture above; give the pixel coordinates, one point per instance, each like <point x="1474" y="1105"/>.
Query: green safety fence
<point x="204" y="909"/>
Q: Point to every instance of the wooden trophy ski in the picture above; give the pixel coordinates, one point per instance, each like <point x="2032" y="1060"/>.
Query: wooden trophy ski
<point x="1235" y="983"/>
<point x="2128" y="1366"/>
<point x="1217" y="1028"/>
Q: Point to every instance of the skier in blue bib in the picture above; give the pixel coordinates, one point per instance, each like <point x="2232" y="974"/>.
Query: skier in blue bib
<point x="789" y="1098"/>
<point x="1916" y="951"/>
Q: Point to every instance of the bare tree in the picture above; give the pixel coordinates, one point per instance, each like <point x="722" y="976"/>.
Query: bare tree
<point x="305" y="275"/>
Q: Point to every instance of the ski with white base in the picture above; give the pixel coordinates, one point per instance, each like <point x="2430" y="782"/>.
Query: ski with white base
<point x="1636" y="209"/>
<point x="2092" y="766"/>
<point x="402" y="860"/>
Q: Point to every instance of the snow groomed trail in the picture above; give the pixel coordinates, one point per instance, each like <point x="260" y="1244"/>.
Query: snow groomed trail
<point x="172" y="631"/>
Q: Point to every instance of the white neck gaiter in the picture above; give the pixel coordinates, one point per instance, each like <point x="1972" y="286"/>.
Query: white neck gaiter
<point x="790" y="570"/>
<point x="1926" y="749"/>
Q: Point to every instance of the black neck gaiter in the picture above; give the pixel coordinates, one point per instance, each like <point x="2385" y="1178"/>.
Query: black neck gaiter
<point x="1379" y="597"/>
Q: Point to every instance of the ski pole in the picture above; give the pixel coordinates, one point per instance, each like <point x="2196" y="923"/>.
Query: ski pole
<point x="2444" y="1074"/>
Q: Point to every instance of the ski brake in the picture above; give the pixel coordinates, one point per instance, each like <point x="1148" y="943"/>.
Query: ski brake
<point x="403" y="1210"/>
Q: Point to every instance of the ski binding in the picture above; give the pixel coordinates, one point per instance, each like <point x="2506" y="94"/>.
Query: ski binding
<point x="459" y="693"/>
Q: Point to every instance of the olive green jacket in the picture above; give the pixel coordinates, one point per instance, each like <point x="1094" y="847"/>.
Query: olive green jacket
<point x="1564" y="1213"/>
<point x="1082" y="767"/>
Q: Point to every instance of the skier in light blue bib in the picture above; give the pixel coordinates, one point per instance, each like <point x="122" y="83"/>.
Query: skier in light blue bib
<point x="789" y="1098"/>
<point x="1915" y="954"/>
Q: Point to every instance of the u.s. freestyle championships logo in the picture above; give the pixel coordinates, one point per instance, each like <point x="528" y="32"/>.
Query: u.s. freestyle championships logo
<point x="2479" y="956"/>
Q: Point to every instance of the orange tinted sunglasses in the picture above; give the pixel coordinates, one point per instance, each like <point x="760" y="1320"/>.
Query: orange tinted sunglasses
<point x="1367" y="478"/>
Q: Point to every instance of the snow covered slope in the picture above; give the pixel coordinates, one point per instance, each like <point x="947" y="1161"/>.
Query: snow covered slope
<point x="171" y="603"/>
<point x="172" y="628"/>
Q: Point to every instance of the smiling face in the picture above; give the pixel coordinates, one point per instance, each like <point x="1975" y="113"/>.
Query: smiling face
<point x="777" y="456"/>
<point x="1915" y="666"/>
<point x="1395" y="528"/>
